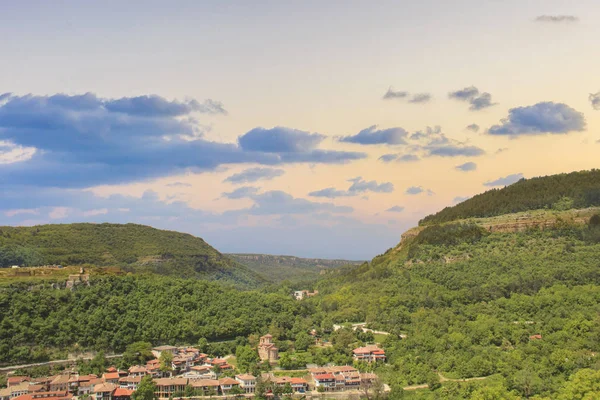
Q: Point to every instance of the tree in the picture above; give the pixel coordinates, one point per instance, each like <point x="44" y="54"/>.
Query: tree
<point x="433" y="380"/>
<point x="145" y="390"/>
<point x="246" y="358"/>
<point x="189" y="391"/>
<point x="216" y="369"/>
<point x="287" y="388"/>
<point x="138" y="353"/>
<point x="527" y="381"/>
<point x="203" y="345"/>
<point x="260" y="390"/>
<point x="166" y="361"/>
<point x="98" y="364"/>
<point x="303" y="341"/>
<point x="236" y="390"/>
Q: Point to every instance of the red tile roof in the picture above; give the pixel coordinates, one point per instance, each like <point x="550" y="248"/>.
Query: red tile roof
<point x="228" y="381"/>
<point x="120" y="392"/>
<point x="111" y="376"/>
<point x="323" y="377"/>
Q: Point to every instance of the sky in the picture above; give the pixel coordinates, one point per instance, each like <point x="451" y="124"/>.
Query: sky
<point x="309" y="128"/>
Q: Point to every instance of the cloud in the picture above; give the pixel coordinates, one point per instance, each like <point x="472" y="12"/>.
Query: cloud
<point x="473" y="128"/>
<point x="400" y="158"/>
<point x="277" y="202"/>
<point x="386" y="158"/>
<point x="371" y="135"/>
<point x="505" y="181"/>
<point x="471" y="94"/>
<point x="153" y="106"/>
<point x="595" y="100"/>
<point x="407" y="158"/>
<point x="432" y="142"/>
<point x="420" y="98"/>
<point x="466" y="167"/>
<point x="359" y="185"/>
<point x="501" y="150"/>
<point x="392" y="94"/>
<point x="414" y="190"/>
<point x="540" y="118"/>
<point x="280" y="140"/>
<point x="331" y="193"/>
<point x="254" y="174"/>
<point x="416" y="98"/>
<point x="557" y="18"/>
<point x="241" y="193"/>
<point x="83" y="141"/>
<point x="455" y="150"/>
<point x="396" y="209"/>
<point x="179" y="184"/>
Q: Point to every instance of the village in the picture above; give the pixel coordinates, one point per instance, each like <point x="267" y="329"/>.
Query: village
<point x="195" y="374"/>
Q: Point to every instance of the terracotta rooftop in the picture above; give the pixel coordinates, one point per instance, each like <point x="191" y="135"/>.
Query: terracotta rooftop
<point x="245" y="377"/>
<point x="228" y="381"/>
<point x="204" y="382"/>
<point x="120" y="392"/>
<point x="104" y="387"/>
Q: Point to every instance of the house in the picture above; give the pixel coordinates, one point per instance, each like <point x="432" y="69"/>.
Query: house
<point x="226" y="384"/>
<point x="104" y="391"/>
<point x="137" y="370"/>
<point x="267" y="350"/>
<point x="247" y="382"/>
<point x="130" y="382"/>
<point x="369" y="353"/>
<point x="15" y="380"/>
<point x="201" y="371"/>
<point x="326" y="381"/>
<point x="535" y="337"/>
<point x="157" y="351"/>
<point x="299" y="385"/>
<point x="19" y="389"/>
<point x="302" y="294"/>
<point x="5" y="394"/>
<point x="206" y="386"/>
<point x="87" y="387"/>
<point x="166" y="387"/>
<point x="122" y="394"/>
<point x="59" y="384"/>
<point x="111" y="377"/>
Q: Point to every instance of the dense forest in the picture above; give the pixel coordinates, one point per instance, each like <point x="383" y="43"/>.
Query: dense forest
<point x="472" y="304"/>
<point x="133" y="247"/>
<point x="573" y="190"/>
<point x="115" y="311"/>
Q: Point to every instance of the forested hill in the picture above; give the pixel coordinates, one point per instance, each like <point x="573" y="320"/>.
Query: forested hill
<point x="517" y="307"/>
<point x="277" y="268"/>
<point x="563" y="191"/>
<point x="133" y="247"/>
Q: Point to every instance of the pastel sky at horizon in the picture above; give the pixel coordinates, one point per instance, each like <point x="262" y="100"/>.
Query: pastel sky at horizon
<point x="312" y="128"/>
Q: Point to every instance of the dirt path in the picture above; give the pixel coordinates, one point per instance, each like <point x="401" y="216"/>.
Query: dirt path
<point x="55" y="362"/>
<point x="444" y="379"/>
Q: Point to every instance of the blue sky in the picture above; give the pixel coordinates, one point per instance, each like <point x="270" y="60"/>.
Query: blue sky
<point x="309" y="128"/>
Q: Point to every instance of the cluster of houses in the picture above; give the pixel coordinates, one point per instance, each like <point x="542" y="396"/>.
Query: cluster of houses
<point x="340" y="378"/>
<point x="191" y="368"/>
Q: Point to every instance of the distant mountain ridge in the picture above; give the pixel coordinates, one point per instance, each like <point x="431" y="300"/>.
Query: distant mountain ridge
<point x="277" y="268"/>
<point x="133" y="247"/>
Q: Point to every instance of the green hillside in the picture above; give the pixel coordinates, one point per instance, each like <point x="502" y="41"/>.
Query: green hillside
<point x="471" y="301"/>
<point x="136" y="248"/>
<point x="289" y="268"/>
<point x="563" y="191"/>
